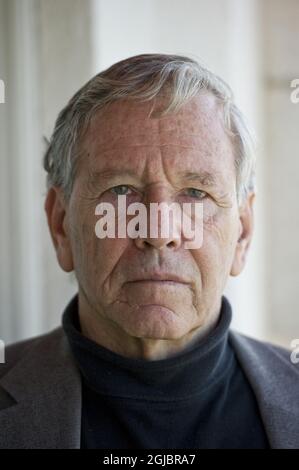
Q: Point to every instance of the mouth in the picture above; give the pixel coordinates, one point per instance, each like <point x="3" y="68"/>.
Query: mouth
<point x="165" y="282"/>
<point x="165" y="279"/>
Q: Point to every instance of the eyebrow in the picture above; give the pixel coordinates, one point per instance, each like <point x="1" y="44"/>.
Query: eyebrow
<point x="110" y="173"/>
<point x="204" y="178"/>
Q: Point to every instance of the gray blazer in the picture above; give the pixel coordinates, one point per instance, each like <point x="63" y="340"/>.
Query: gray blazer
<point x="40" y="392"/>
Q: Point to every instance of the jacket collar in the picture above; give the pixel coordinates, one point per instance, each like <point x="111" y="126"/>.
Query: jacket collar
<point x="275" y="382"/>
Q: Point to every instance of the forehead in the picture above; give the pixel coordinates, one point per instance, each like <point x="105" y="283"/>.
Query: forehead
<point x="124" y="132"/>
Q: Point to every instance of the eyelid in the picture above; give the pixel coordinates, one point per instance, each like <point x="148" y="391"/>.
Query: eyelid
<point x="132" y="189"/>
<point x="129" y="187"/>
<point x="204" y="193"/>
<point x="119" y="186"/>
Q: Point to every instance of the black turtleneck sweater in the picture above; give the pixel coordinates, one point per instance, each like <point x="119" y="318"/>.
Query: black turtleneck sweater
<point x="199" y="398"/>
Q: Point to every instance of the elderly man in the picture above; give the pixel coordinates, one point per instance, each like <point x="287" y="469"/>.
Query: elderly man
<point x="145" y="357"/>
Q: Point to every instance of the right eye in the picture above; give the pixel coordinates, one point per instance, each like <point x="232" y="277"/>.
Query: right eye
<point x="196" y="193"/>
<point x="120" y="190"/>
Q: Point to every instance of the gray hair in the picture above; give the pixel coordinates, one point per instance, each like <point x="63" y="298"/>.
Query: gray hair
<point x="144" y="78"/>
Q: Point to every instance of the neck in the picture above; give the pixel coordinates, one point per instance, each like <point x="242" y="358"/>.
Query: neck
<point x="108" y="334"/>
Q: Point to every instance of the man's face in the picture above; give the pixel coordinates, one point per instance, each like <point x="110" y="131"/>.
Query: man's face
<point x="183" y="157"/>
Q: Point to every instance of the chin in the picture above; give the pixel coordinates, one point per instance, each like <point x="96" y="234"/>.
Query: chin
<point x="155" y="322"/>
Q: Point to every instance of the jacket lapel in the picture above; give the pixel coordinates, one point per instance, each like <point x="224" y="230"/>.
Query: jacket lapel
<point x="275" y="382"/>
<point x="46" y="387"/>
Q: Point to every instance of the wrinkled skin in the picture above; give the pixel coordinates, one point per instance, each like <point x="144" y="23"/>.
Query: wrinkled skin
<point x="150" y="157"/>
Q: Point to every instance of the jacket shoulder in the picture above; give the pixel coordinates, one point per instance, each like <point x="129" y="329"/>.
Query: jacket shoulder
<point x="16" y="351"/>
<point x="259" y="344"/>
<point x="264" y="355"/>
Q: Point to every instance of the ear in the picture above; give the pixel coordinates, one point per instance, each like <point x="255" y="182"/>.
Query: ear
<point x="246" y="223"/>
<point x="56" y="210"/>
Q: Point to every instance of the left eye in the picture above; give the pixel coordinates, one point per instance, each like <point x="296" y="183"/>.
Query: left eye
<point x="120" y="190"/>
<point x="196" y="193"/>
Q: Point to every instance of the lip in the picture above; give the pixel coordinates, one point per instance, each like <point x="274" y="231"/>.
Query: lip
<point x="170" y="278"/>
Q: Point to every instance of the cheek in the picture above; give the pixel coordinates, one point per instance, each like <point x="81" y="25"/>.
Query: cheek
<point x="220" y="225"/>
<point x="95" y="259"/>
<point x="218" y="241"/>
<point x="106" y="256"/>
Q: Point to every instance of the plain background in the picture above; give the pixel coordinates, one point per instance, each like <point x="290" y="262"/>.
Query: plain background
<point x="49" y="48"/>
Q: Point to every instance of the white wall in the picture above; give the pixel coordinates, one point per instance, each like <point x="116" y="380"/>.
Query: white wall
<point x="21" y="293"/>
<point x="5" y="326"/>
<point x="66" y="64"/>
<point x="41" y="66"/>
<point x="281" y="52"/>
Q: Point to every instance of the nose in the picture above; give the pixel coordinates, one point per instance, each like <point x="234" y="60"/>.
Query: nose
<point x="159" y="243"/>
<point x="163" y="222"/>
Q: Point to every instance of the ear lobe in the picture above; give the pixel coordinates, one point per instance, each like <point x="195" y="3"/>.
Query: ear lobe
<point x="246" y="219"/>
<point x="56" y="210"/>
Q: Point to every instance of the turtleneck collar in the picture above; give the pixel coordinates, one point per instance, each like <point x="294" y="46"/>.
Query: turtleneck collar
<point x="182" y="376"/>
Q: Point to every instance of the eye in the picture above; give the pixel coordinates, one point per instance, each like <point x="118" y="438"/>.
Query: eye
<point x="120" y="190"/>
<point x="197" y="193"/>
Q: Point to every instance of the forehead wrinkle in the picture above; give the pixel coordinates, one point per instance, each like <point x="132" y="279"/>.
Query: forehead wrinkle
<point x="204" y="177"/>
<point x="152" y="136"/>
<point x="200" y="113"/>
<point x="115" y="148"/>
<point x="161" y="160"/>
<point x="194" y="126"/>
<point x="151" y="140"/>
